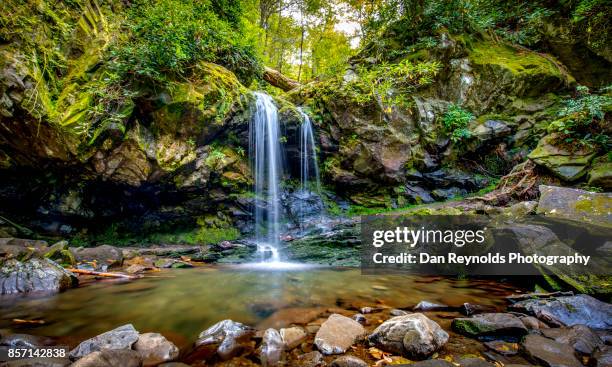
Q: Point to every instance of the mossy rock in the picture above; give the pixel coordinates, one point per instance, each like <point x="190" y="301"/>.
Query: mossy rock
<point x="600" y="174"/>
<point x="566" y="163"/>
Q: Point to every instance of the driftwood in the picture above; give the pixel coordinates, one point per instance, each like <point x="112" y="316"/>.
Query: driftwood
<point x="101" y="274"/>
<point x="278" y="80"/>
<point x="520" y="184"/>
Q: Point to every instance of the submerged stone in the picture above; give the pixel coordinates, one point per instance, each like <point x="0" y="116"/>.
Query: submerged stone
<point x="226" y="338"/>
<point x="272" y="348"/>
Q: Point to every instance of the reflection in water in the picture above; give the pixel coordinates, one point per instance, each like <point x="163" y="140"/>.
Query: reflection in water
<point x="181" y="303"/>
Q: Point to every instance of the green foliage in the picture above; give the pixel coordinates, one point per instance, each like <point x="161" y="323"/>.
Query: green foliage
<point x="167" y="37"/>
<point x="215" y="158"/>
<point x="583" y="119"/>
<point x="455" y="122"/>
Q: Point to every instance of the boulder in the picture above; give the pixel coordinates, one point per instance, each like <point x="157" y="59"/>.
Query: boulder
<point x="154" y="349"/>
<point x="348" y="361"/>
<point x="337" y="334"/>
<point x="122" y="337"/>
<point x="580" y="337"/>
<point x="413" y="335"/>
<point x="489" y="324"/>
<point x="293" y="336"/>
<point x="34" y="275"/>
<point x="110" y="358"/>
<point x="226" y="338"/>
<point x="272" y="348"/>
<point x="549" y="353"/>
<point x="575" y="204"/>
<point x="567" y="165"/>
<point x="568" y="311"/>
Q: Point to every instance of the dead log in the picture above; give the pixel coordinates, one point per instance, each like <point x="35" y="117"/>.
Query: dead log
<point x="101" y="274"/>
<point x="278" y="80"/>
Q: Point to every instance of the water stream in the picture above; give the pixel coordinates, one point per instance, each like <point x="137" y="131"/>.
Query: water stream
<point x="310" y="180"/>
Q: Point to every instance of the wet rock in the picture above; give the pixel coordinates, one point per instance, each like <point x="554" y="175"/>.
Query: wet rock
<point x="532" y="323"/>
<point x="226" y="338"/>
<point x="429" y="306"/>
<point x="34" y="275"/>
<point x="397" y="312"/>
<point x="580" y="337"/>
<point x="366" y="310"/>
<point x="568" y="311"/>
<point x="110" y="358"/>
<point x="575" y="204"/>
<point x="312" y="359"/>
<point x="489" y="324"/>
<point x="103" y="255"/>
<point x="502" y="347"/>
<point x="548" y="352"/>
<point x="122" y="337"/>
<point x="470" y="309"/>
<point x="135" y="269"/>
<point x="272" y="348"/>
<point x="522" y="209"/>
<point x="603" y="356"/>
<point x="164" y="263"/>
<point x="23" y="341"/>
<point x="348" y="361"/>
<point x="432" y="363"/>
<point x="414" y="336"/>
<point x="293" y="336"/>
<point x="360" y="318"/>
<point x="490" y="129"/>
<point x="155" y="349"/>
<point x="474" y="362"/>
<point x="337" y="334"/>
<point x="38" y="362"/>
<point x="181" y="265"/>
<point x="600" y="174"/>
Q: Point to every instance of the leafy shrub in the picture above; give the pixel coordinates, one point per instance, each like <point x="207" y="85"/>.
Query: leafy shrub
<point x="169" y="36"/>
<point x="582" y="120"/>
<point x="455" y="121"/>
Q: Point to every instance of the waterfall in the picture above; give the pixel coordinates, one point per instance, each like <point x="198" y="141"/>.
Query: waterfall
<point x="265" y="150"/>
<point x="309" y="167"/>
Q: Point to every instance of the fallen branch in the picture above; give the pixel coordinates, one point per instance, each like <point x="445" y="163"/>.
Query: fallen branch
<point x="101" y="274"/>
<point x="278" y="80"/>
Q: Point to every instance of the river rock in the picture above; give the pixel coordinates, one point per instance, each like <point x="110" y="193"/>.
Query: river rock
<point x="502" y="347"/>
<point x="580" y="337"/>
<point x="293" y="336"/>
<point x="412" y="335"/>
<point x="568" y="311"/>
<point x="272" y="348"/>
<point x="337" y="334"/>
<point x="429" y="306"/>
<point x="600" y="174"/>
<point x="155" y="349"/>
<point x="34" y="275"/>
<point x="110" y="358"/>
<point x="104" y="255"/>
<point x="348" y="361"/>
<point x="226" y="338"/>
<point x="23" y="341"/>
<point x="489" y="324"/>
<point x="474" y="362"/>
<point x="360" y="318"/>
<point x="312" y="359"/>
<point x="470" y="309"/>
<point x="548" y="352"/>
<point x="575" y="204"/>
<point x="397" y="312"/>
<point x="122" y="337"/>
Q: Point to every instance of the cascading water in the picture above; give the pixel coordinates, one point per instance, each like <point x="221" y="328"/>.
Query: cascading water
<point x="265" y="148"/>
<point x="310" y="190"/>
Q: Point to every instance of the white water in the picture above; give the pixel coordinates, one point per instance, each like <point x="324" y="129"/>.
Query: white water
<point x="309" y="164"/>
<point x="265" y="148"/>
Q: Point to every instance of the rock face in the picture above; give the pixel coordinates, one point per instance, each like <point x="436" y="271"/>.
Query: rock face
<point x="34" y="275"/>
<point x="490" y="324"/>
<point x="272" y="348"/>
<point x="110" y="358"/>
<point x="337" y="334"/>
<point x="154" y="349"/>
<point x="576" y="204"/>
<point x="226" y="338"/>
<point x="122" y="337"/>
<point x="548" y="352"/>
<point x="569" y="166"/>
<point x="411" y="335"/>
<point x="568" y="311"/>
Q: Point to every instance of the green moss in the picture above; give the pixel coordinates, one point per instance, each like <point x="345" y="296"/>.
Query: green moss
<point x="469" y="327"/>
<point x="517" y="62"/>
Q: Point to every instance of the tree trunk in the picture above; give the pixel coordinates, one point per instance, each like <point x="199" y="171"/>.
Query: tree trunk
<point x="278" y="80"/>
